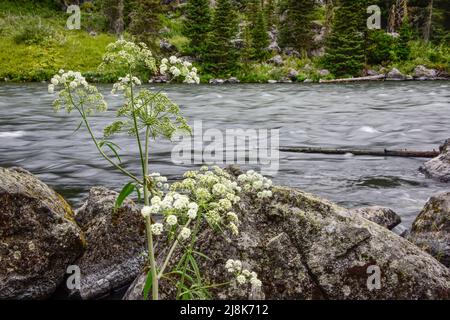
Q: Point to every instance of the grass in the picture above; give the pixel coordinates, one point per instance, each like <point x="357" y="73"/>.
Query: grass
<point x="35" y="44"/>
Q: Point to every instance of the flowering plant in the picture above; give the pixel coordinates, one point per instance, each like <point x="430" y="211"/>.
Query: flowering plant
<point x="202" y="198"/>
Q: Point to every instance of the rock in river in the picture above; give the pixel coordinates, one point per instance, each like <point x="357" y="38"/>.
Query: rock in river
<point x="431" y="229"/>
<point x="304" y="247"/>
<point x="439" y="167"/>
<point x="115" y="243"/>
<point x="38" y="236"/>
<point x="384" y="217"/>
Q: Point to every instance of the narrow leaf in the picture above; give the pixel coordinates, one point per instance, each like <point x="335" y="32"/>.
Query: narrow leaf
<point x="126" y="191"/>
<point x="148" y="285"/>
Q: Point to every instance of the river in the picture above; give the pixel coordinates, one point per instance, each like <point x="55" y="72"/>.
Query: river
<point x="413" y="115"/>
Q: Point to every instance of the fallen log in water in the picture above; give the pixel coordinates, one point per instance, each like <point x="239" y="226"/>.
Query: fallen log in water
<point x="365" y="152"/>
<point x="368" y="78"/>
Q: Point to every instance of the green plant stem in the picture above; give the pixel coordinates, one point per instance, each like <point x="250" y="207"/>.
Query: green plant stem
<point x="148" y="223"/>
<point x="191" y="245"/>
<point x="171" y="251"/>
<point x="86" y="122"/>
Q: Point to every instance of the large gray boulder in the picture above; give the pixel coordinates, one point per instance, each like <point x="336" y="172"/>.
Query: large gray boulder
<point x="115" y="250"/>
<point x="304" y="247"/>
<point x="38" y="237"/>
<point x="423" y="73"/>
<point x="382" y="216"/>
<point x="395" y="75"/>
<point x="431" y="229"/>
<point x="439" y="168"/>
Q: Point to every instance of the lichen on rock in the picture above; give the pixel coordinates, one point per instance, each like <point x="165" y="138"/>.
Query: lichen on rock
<point x="38" y="236"/>
<point x="439" y="168"/>
<point x="431" y="229"/>
<point x="304" y="247"/>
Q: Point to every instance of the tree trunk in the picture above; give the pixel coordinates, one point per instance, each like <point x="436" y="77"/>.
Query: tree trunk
<point x="119" y="25"/>
<point x="427" y="29"/>
<point x="365" y="152"/>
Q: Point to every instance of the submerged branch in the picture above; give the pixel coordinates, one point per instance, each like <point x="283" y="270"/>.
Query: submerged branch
<point x="365" y="152"/>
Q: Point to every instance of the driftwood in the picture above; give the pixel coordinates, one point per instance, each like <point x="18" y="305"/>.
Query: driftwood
<point x="365" y="152"/>
<point x="378" y="77"/>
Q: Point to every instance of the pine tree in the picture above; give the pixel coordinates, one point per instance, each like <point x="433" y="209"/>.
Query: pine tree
<point x="259" y="36"/>
<point x="145" y="21"/>
<point x="221" y="56"/>
<point x="296" y="29"/>
<point x="403" y="49"/>
<point x="197" y="25"/>
<point x="345" y="49"/>
<point x="270" y="12"/>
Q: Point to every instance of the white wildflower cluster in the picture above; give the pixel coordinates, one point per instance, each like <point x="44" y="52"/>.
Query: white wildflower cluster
<point x="255" y="182"/>
<point x="74" y="89"/>
<point x="243" y="276"/>
<point x="159" y="181"/>
<point x="175" y="67"/>
<point x="216" y="191"/>
<point x="176" y="209"/>
<point x="125" y="54"/>
<point x="125" y="82"/>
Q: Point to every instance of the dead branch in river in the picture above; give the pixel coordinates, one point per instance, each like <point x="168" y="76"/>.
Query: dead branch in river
<point x="364" y="152"/>
<point x="368" y="78"/>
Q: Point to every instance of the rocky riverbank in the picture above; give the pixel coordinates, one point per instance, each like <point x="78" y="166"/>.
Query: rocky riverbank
<point x="301" y="246"/>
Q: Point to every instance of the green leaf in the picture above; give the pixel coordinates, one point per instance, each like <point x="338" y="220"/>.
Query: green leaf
<point x="148" y="285"/>
<point x="78" y="127"/>
<point x="126" y="191"/>
<point x="112" y="146"/>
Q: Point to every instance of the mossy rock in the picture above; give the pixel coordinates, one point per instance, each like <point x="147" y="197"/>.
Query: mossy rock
<point x="38" y="236"/>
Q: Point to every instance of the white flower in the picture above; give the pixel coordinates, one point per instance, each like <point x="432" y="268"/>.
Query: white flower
<point x="157" y="229"/>
<point x="185" y="233"/>
<point x="219" y="189"/>
<point x="255" y="282"/>
<point x="192" y="214"/>
<point x="181" y="203"/>
<point x="55" y="81"/>
<point x="73" y="84"/>
<point x="156" y="200"/>
<point x="232" y="216"/>
<point x="172" y="220"/>
<point x="257" y="185"/>
<point x="164" y="61"/>
<point x="225" y="204"/>
<point x="241" y="279"/>
<point x="175" y="71"/>
<point x="51" y="88"/>
<point x="155" y="208"/>
<point x="173" y="59"/>
<point x="193" y="206"/>
<point x="229" y="265"/>
<point x="187" y="64"/>
<point x="234" y="229"/>
<point x="246" y="273"/>
<point x="146" y="211"/>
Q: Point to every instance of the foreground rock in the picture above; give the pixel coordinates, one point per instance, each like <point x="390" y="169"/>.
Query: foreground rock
<point x="382" y="216"/>
<point x="439" y="168"/>
<point x="304" y="247"/>
<point x="38" y="237"/>
<point x="431" y="229"/>
<point x="115" y="244"/>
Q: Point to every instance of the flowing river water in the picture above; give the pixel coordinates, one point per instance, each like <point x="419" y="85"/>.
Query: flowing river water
<point x="368" y="115"/>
